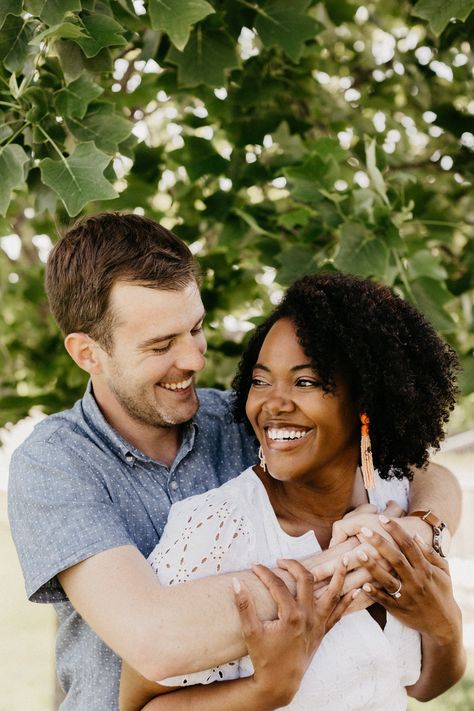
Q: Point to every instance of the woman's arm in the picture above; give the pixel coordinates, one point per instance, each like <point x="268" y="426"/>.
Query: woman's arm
<point x="280" y="650"/>
<point x="426" y="603"/>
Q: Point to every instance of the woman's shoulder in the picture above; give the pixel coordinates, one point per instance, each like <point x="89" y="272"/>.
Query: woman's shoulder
<point x="235" y="494"/>
<point x="389" y="490"/>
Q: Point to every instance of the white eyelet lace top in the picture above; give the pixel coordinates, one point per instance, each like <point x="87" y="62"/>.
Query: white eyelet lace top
<point x="358" y="666"/>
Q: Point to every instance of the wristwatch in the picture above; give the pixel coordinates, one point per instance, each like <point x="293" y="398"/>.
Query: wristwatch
<point x="441" y="534"/>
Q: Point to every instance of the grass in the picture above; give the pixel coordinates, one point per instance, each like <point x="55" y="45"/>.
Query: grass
<point x="27" y="676"/>
<point x="459" y="698"/>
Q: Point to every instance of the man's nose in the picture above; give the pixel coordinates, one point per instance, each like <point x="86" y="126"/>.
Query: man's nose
<point x="191" y="355"/>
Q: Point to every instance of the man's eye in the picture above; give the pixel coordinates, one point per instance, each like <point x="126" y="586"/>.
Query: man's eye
<point x="163" y="349"/>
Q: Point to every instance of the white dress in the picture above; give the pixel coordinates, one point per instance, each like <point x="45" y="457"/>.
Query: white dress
<point x="358" y="666"/>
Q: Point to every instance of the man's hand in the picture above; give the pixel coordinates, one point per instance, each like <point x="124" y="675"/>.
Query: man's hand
<point x="282" y="649"/>
<point x="365" y="515"/>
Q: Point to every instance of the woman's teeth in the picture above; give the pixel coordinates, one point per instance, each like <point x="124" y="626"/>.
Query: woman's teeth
<point x="274" y="434"/>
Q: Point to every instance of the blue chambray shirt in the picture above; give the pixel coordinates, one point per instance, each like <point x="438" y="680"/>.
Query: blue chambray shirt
<point x="77" y="488"/>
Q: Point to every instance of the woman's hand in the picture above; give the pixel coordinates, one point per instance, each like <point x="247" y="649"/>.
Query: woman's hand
<point x="425" y="602"/>
<point x="282" y="649"/>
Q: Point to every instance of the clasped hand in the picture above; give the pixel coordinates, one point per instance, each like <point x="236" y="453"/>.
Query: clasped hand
<point x="282" y="649"/>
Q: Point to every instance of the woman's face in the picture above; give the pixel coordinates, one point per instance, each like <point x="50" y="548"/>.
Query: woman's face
<point x="306" y="434"/>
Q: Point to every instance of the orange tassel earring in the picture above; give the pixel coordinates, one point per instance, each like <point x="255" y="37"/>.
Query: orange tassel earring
<point x="366" y="460"/>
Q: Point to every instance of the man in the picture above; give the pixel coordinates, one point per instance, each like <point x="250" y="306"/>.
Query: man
<point x="90" y="489"/>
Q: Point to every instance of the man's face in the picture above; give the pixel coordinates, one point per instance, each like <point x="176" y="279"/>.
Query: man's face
<point x="148" y="378"/>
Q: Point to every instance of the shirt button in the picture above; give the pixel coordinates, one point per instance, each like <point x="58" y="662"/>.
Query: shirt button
<point x="129" y="458"/>
<point x="174" y="485"/>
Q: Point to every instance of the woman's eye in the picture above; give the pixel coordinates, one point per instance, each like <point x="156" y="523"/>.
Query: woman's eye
<point x="307" y="383"/>
<point x="197" y="330"/>
<point x="258" y="382"/>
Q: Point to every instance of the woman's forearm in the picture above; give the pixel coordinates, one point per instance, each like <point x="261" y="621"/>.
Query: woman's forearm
<point x="229" y="695"/>
<point x="443" y="664"/>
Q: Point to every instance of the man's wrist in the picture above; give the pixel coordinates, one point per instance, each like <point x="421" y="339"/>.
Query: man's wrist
<point x="413" y="524"/>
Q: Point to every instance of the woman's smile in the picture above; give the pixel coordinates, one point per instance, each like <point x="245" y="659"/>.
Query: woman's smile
<point x="292" y="415"/>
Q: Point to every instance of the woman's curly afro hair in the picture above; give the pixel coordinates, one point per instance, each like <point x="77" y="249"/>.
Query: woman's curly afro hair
<point x="401" y="373"/>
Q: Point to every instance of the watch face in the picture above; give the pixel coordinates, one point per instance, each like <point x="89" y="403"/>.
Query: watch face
<point x="442" y="541"/>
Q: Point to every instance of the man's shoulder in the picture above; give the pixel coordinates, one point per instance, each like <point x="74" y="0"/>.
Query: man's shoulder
<point x="215" y="405"/>
<point x="54" y="438"/>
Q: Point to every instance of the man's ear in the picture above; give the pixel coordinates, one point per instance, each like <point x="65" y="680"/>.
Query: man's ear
<point x="84" y="351"/>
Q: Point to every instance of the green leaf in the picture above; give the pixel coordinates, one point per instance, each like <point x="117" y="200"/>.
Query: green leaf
<point x="12" y="173"/>
<point x="285" y="24"/>
<point x="15" y="37"/>
<point x="431" y="297"/>
<point x="103" y="125"/>
<point x="102" y="31"/>
<point x="9" y="7"/>
<point x="424" y="263"/>
<point x="205" y="58"/>
<point x="73" y="62"/>
<point x="52" y="11"/>
<point x="291" y="144"/>
<point x="79" y="178"/>
<point x="315" y="173"/>
<point x="295" y="260"/>
<point x="360" y="253"/>
<point x="439" y="12"/>
<point x="293" y="218"/>
<point x="466" y="376"/>
<point x="375" y="175"/>
<point x="176" y="17"/>
<point x="199" y="157"/>
<point x="74" y="99"/>
<point x="65" y="30"/>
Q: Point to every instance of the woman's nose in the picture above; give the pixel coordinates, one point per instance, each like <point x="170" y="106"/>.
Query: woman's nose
<point x="277" y="402"/>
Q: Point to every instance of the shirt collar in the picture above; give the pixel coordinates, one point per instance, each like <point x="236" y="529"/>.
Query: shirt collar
<point x="117" y="443"/>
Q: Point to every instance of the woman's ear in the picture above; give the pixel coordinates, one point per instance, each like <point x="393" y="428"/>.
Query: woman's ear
<point x="84" y="351"/>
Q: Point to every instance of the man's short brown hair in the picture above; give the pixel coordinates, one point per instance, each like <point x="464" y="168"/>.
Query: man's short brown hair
<point x="99" y="251"/>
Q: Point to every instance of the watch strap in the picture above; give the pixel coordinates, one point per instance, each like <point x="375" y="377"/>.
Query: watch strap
<point x="430" y="518"/>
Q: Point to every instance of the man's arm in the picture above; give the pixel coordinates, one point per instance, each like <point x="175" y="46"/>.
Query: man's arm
<point x="165" y="631"/>
<point x="436" y="489"/>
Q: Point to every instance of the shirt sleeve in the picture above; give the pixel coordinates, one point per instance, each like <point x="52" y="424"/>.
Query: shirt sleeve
<point x="205" y="535"/>
<point x="61" y="513"/>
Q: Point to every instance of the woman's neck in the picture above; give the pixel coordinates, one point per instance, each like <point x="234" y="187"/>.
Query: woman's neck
<point x="301" y="506"/>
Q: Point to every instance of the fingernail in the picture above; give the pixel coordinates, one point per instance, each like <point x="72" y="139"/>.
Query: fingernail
<point x="345" y="560"/>
<point x="355" y="593"/>
<point x="366" y="587"/>
<point x="366" y="531"/>
<point x="236" y="585"/>
<point x="383" y="519"/>
<point x="418" y="538"/>
<point x="362" y="555"/>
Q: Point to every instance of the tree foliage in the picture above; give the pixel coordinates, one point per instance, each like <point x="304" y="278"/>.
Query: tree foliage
<point x="275" y="137"/>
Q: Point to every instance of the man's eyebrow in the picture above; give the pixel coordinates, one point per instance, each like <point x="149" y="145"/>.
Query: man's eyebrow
<point x="294" y="369"/>
<point x="159" y="339"/>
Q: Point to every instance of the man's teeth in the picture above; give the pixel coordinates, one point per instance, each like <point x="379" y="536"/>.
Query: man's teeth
<point x="274" y="434"/>
<point x="177" y="386"/>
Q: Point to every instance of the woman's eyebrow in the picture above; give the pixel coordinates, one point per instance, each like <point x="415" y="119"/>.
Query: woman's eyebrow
<point x="294" y="369"/>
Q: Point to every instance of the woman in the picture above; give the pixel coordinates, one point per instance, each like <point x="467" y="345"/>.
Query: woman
<point x="338" y="352"/>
